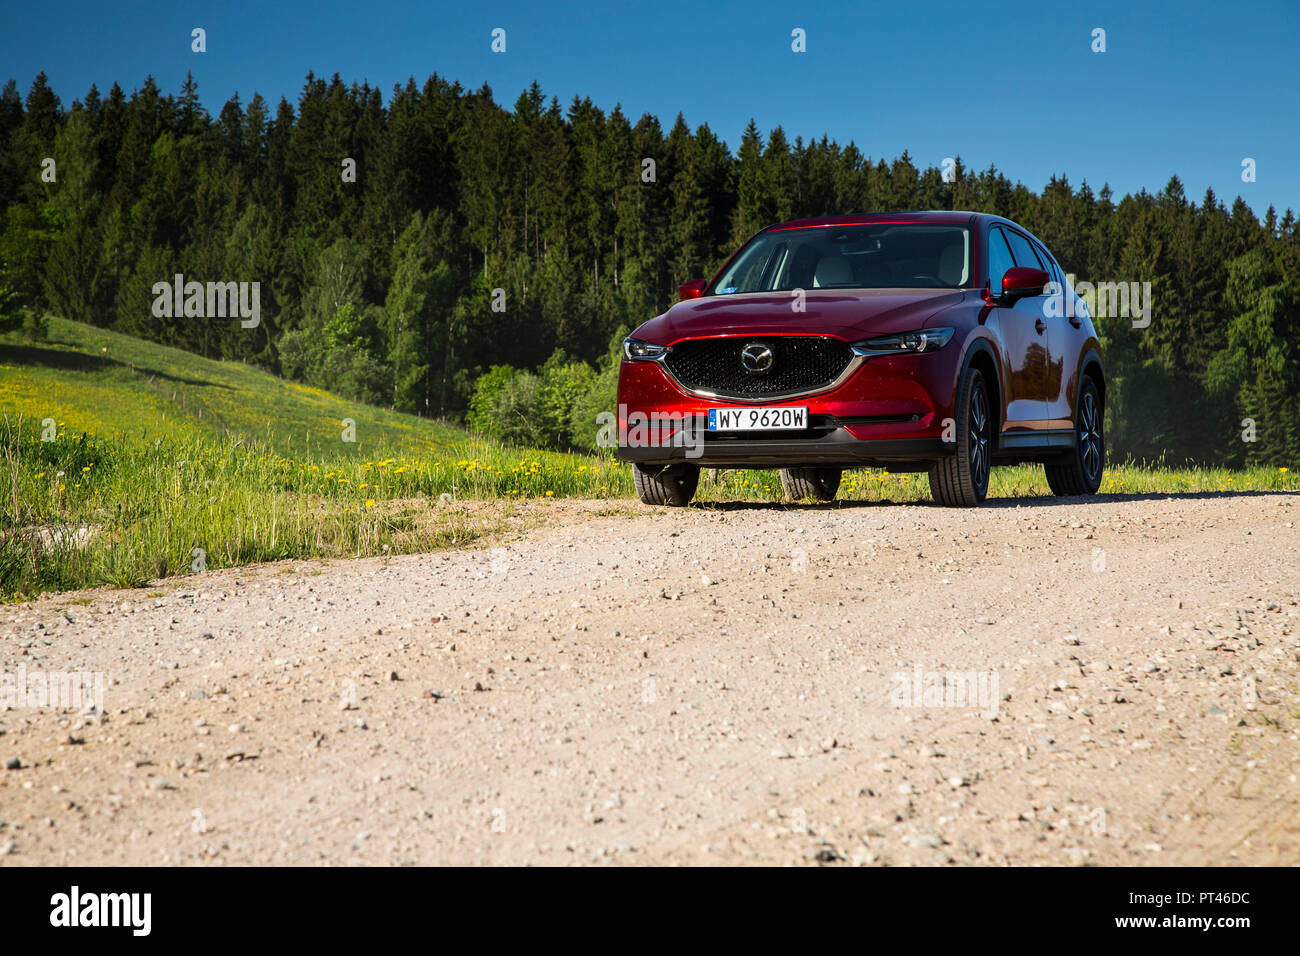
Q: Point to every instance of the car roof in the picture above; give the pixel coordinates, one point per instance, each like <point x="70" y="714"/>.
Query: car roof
<point x="937" y="216"/>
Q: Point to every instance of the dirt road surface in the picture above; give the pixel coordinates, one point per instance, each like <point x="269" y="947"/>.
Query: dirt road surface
<point x="1032" y="682"/>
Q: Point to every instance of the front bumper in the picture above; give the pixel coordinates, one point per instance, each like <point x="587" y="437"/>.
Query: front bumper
<point x="889" y="413"/>
<point x="838" y="449"/>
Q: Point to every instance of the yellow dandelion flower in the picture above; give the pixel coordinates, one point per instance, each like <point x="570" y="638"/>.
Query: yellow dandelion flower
<point x="370" y="502"/>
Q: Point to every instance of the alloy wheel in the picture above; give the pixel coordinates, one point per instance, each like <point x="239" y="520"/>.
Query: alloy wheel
<point x="979" y="439"/>
<point x="1089" y="436"/>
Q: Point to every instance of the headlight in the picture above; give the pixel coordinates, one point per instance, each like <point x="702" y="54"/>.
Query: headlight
<point x="905" y="343"/>
<point x="642" y="351"/>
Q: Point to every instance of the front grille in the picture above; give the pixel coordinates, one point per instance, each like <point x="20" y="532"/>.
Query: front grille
<point x="800" y="363"/>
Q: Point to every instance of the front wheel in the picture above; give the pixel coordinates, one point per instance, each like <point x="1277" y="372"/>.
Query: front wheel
<point x="672" y="485"/>
<point x="1079" y="471"/>
<point x="820" y="484"/>
<point x="961" y="480"/>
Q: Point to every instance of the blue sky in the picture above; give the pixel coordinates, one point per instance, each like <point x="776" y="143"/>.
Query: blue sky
<point x="1188" y="88"/>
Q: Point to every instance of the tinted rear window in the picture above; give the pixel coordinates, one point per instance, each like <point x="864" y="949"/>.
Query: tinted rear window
<point x="1023" y="251"/>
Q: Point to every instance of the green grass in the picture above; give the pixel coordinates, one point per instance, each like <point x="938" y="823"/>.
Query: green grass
<point x="158" y="452"/>
<point x="1028" y="481"/>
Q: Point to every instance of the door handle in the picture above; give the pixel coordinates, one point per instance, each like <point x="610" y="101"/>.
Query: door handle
<point x="1040" y="326"/>
<point x="1074" y="320"/>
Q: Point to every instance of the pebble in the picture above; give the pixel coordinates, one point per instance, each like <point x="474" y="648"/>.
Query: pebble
<point x="13" y="763"/>
<point x="924" y="840"/>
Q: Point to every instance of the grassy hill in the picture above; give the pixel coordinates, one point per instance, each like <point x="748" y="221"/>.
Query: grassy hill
<point x="162" y="462"/>
<point x="111" y="385"/>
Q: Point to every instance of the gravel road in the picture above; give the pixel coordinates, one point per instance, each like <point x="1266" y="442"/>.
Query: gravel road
<point x="1032" y="682"/>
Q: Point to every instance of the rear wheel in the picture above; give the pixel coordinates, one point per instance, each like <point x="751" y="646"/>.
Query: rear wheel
<point x="1079" y="472"/>
<point x="672" y="485"/>
<point x="819" y="484"/>
<point x="961" y="480"/>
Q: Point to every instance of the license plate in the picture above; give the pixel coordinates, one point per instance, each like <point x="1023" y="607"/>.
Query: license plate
<point x="757" y="419"/>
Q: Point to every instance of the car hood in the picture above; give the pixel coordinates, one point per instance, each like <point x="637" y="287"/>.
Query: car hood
<point x="848" y="314"/>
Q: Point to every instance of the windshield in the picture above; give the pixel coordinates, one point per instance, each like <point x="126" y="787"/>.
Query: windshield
<point x="870" y="256"/>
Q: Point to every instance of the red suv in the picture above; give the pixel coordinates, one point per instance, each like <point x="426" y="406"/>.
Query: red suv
<point x="945" y="342"/>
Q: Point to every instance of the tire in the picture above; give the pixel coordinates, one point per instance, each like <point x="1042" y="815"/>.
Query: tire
<point x="961" y="480"/>
<point x="672" y="485"/>
<point x="819" y="484"/>
<point x="1079" y="472"/>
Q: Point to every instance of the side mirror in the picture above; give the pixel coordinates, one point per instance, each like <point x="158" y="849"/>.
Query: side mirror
<point x="693" y="289"/>
<point x="1020" y="282"/>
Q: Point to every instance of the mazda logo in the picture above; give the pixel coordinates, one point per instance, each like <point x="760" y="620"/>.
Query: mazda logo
<point x="756" y="358"/>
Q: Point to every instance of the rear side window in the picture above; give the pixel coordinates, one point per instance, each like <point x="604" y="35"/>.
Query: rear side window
<point x="999" y="258"/>
<point x="1023" y="251"/>
<point x="1049" y="263"/>
<point x="1052" y="264"/>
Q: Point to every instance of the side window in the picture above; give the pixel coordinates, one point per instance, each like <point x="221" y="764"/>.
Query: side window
<point x="999" y="259"/>
<point x="1023" y="251"/>
<point x="1049" y="264"/>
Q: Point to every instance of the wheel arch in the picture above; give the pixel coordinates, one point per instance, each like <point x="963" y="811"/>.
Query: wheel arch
<point x="1090" y="366"/>
<point x="980" y="355"/>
